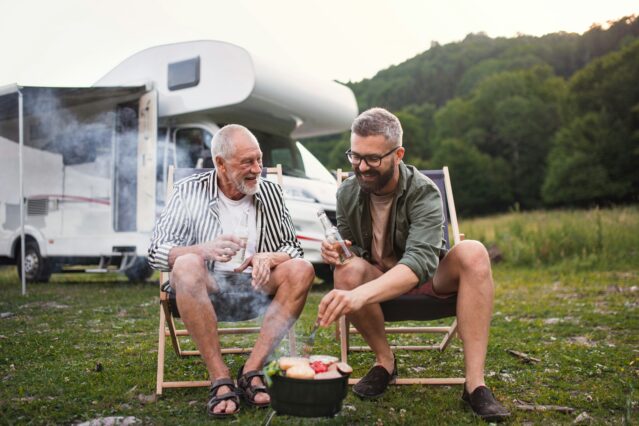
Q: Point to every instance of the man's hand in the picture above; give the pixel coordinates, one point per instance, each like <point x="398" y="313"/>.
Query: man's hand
<point x="337" y="303"/>
<point x="221" y="249"/>
<point x="262" y="264"/>
<point x="330" y="251"/>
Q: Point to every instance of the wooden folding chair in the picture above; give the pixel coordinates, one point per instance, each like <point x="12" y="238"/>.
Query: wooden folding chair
<point x="414" y="306"/>
<point x="169" y="312"/>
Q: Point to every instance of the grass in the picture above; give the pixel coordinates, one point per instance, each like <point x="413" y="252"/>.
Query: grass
<point x="83" y="347"/>
<point x="598" y="238"/>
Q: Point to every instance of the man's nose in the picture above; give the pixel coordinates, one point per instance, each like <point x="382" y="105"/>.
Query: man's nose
<point x="363" y="166"/>
<point x="256" y="167"/>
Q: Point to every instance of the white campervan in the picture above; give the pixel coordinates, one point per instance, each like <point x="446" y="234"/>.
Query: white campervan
<point x="95" y="159"/>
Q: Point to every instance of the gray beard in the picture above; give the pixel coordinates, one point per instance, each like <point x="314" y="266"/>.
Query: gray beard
<point x="245" y="189"/>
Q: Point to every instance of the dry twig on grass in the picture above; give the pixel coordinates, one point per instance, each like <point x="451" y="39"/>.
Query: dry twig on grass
<point x="526" y="406"/>
<point x="524" y="357"/>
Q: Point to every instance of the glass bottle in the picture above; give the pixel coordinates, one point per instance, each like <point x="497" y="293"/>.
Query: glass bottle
<point x="241" y="232"/>
<point x="333" y="236"/>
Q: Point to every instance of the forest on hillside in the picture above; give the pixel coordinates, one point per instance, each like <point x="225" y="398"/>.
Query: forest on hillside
<point x="522" y="123"/>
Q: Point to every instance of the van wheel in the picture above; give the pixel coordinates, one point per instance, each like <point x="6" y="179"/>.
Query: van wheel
<point x="139" y="271"/>
<point x="36" y="267"/>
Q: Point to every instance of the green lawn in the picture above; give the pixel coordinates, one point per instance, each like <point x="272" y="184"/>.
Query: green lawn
<point x="83" y="347"/>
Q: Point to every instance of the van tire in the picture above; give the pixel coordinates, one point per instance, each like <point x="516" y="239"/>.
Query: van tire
<point x="139" y="271"/>
<point x="37" y="268"/>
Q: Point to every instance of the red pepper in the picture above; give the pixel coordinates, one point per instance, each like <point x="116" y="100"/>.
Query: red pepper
<point x="319" y="367"/>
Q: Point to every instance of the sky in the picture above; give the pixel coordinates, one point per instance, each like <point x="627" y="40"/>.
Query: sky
<point x="75" y="42"/>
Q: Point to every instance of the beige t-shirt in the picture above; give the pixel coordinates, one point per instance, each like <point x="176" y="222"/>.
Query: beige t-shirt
<point x="381" y="249"/>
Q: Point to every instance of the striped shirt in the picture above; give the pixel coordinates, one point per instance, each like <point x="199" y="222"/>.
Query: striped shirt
<point x="192" y="217"/>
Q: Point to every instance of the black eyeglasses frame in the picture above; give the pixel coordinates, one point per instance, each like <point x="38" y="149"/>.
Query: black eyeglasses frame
<point x="377" y="158"/>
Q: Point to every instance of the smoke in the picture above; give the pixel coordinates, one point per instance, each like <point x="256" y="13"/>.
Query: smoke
<point x="81" y="134"/>
<point x="238" y="301"/>
<point x="74" y="148"/>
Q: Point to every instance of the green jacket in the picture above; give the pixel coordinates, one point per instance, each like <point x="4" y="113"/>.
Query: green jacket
<point x="417" y="221"/>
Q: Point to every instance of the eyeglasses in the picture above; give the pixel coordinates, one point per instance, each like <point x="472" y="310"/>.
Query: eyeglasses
<point x="370" y="160"/>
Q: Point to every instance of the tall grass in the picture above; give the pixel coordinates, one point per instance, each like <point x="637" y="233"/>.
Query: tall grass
<point x="589" y="238"/>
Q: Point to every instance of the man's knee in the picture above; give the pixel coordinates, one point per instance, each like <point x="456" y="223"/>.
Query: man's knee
<point x="298" y="273"/>
<point x="186" y="272"/>
<point x="350" y="275"/>
<point x="473" y="257"/>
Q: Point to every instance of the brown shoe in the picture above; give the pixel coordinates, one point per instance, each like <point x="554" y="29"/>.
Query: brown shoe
<point x="484" y="404"/>
<point x="374" y="383"/>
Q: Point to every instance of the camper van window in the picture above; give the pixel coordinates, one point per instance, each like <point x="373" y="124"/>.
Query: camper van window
<point x="192" y="144"/>
<point x="282" y="156"/>
<point x="314" y="169"/>
<point x="281" y="150"/>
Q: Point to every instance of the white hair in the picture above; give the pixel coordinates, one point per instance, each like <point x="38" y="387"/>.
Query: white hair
<point x="222" y="144"/>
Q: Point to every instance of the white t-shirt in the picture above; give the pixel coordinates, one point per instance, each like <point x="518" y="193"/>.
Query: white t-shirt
<point x="231" y="212"/>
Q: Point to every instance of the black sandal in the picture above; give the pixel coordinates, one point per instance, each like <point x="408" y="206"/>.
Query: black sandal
<point x="215" y="399"/>
<point x="249" y="391"/>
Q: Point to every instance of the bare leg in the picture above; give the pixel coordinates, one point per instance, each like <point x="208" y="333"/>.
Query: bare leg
<point x="192" y="284"/>
<point x="369" y="320"/>
<point x="289" y="282"/>
<point x="466" y="270"/>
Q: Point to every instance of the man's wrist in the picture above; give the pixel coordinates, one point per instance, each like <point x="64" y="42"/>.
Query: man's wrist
<point x="270" y="259"/>
<point x="362" y="293"/>
<point x="199" y="250"/>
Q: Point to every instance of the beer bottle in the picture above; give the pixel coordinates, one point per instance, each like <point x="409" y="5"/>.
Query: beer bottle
<point x="333" y="236"/>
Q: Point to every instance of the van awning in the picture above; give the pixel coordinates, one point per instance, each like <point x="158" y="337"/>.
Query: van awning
<point x="41" y="98"/>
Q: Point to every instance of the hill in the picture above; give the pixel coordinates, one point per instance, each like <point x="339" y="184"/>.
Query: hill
<point x="522" y="122"/>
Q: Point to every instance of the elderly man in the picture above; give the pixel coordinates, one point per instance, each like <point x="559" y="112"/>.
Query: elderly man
<point x="393" y="216"/>
<point x="194" y="238"/>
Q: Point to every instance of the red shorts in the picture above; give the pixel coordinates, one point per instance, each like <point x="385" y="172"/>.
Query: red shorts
<point x="427" y="289"/>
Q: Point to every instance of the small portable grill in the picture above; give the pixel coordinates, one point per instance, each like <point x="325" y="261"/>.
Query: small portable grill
<point x="308" y="398"/>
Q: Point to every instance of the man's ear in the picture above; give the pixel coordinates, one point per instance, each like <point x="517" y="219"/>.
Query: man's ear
<point x="400" y="153"/>
<point x="219" y="163"/>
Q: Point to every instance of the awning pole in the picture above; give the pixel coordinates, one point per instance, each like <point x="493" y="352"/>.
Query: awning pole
<point x="20" y="167"/>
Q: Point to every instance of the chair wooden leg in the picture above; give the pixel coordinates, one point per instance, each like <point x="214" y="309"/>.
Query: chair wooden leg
<point x="449" y="335"/>
<point x="173" y="331"/>
<point x="344" y="338"/>
<point x="161" y="347"/>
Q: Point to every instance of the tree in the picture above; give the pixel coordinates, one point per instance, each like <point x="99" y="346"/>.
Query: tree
<point x="513" y="116"/>
<point x="575" y="174"/>
<point x="480" y="183"/>
<point x="601" y="140"/>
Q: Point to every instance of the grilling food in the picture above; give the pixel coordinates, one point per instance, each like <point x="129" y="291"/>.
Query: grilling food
<point x="344" y="368"/>
<point x="300" y="371"/>
<point x="319" y="367"/>
<point x="287" y="362"/>
<point x="327" y="375"/>
<point x="326" y="359"/>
